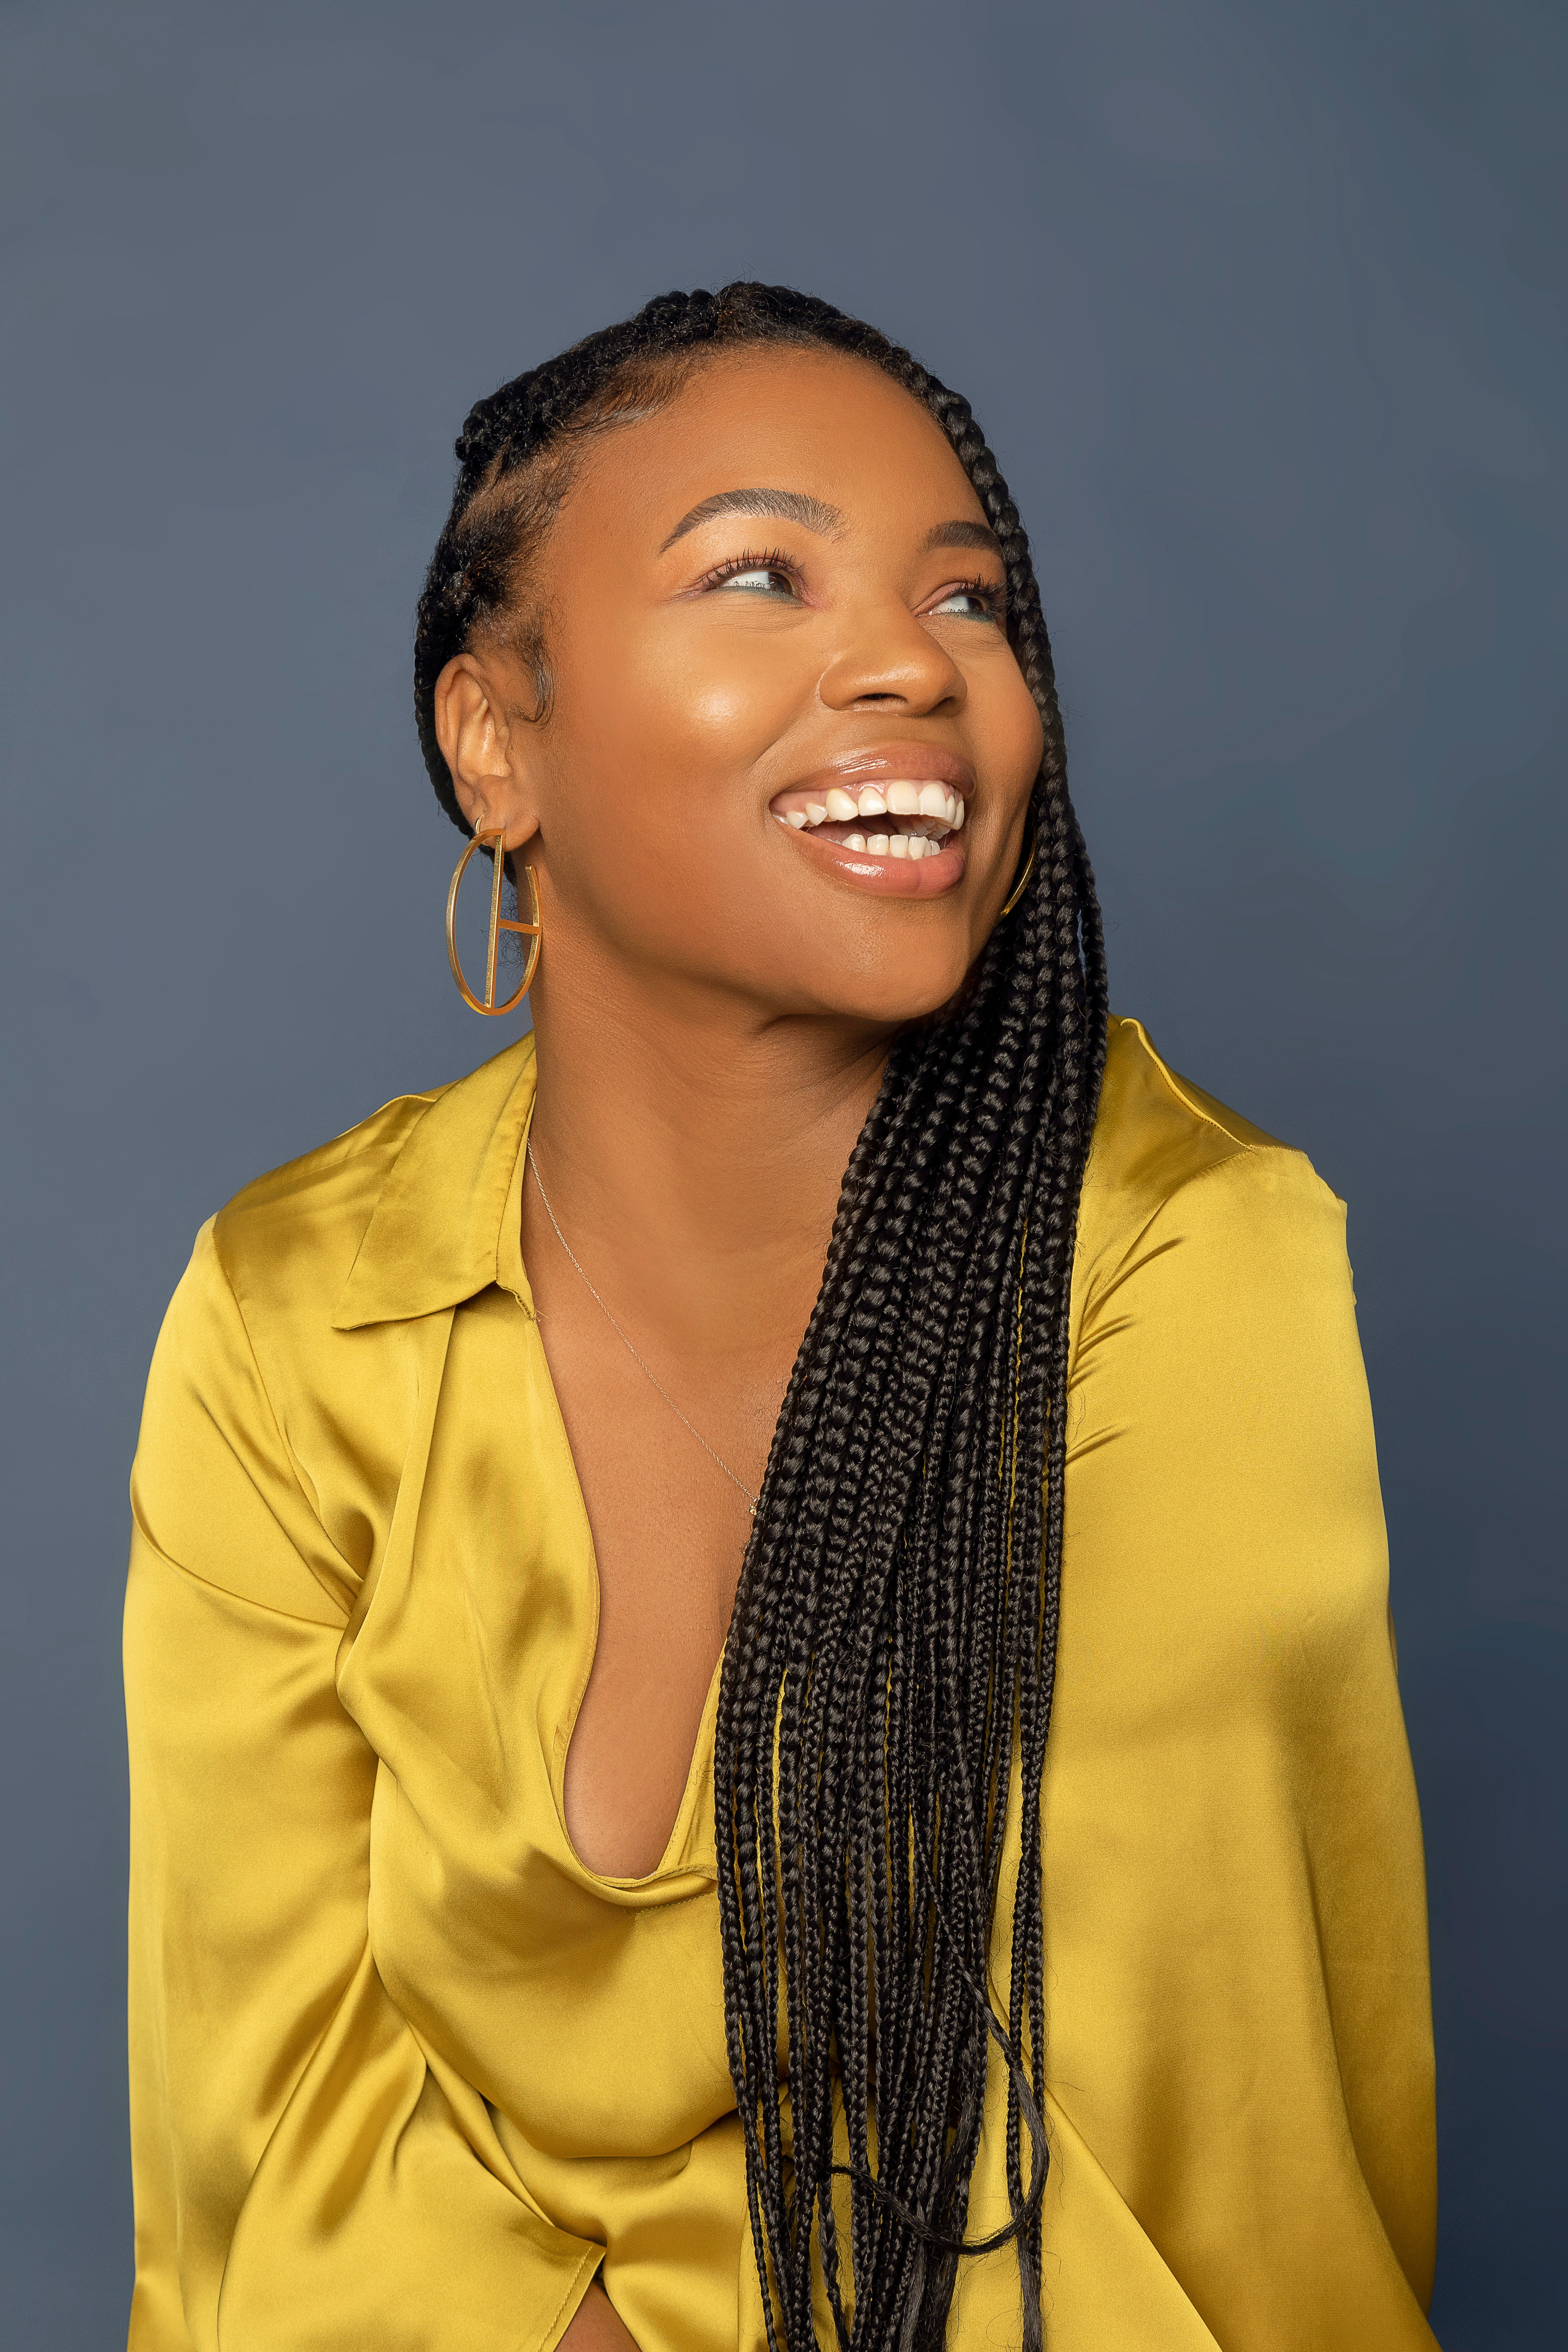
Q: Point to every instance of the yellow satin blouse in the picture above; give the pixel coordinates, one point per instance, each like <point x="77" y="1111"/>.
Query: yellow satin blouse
<point x="405" y="2074"/>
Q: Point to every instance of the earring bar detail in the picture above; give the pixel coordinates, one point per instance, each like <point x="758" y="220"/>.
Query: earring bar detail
<point x="532" y="931"/>
<point x="1022" y="884"/>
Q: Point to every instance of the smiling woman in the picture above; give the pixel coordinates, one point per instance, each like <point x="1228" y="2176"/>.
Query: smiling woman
<point x="613" y="1537"/>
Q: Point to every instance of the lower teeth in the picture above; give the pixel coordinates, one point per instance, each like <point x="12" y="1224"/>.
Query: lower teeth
<point x="879" y="844"/>
<point x="875" y="845"/>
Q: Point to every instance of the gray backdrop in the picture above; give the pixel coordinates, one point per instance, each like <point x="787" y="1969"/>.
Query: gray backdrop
<point x="1259" y="305"/>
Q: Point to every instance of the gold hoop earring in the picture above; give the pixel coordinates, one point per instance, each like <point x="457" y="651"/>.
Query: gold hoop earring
<point x="1022" y="884"/>
<point x="532" y="931"/>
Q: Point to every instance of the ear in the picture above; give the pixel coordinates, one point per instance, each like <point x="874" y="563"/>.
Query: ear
<point x="485" y="746"/>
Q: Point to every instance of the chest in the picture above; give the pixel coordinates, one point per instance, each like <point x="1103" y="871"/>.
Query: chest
<point x="667" y="1459"/>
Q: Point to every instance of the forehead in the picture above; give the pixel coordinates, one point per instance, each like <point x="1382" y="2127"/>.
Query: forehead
<point x="816" y="423"/>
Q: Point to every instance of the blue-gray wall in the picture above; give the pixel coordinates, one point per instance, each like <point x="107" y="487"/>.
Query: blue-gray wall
<point x="1260" y="305"/>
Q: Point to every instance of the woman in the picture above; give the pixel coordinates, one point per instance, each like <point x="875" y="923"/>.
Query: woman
<point x="600" y="1877"/>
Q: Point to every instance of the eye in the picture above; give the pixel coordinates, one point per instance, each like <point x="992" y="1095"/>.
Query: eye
<point x="972" y="600"/>
<point x="760" y="580"/>
<point x="755" y="573"/>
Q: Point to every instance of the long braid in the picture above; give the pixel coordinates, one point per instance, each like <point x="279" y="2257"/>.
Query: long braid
<point x="893" y="1641"/>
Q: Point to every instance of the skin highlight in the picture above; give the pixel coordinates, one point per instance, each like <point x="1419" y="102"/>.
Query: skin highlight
<point x="717" y="992"/>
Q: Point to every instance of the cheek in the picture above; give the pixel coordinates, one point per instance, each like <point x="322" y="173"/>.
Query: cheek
<point x="1016" y="728"/>
<point x="653" y="717"/>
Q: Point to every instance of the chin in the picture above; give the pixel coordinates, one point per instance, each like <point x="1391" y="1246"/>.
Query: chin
<point x="890" y="1000"/>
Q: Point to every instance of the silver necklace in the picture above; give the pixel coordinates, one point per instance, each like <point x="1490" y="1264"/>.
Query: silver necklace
<point x="631" y="1349"/>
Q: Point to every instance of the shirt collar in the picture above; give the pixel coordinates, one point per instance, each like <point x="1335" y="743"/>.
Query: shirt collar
<point x="449" y="1222"/>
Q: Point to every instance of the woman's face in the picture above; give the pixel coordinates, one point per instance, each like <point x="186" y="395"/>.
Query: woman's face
<point x="778" y="590"/>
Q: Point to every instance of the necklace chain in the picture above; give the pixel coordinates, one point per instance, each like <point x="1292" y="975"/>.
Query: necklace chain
<point x="629" y="1346"/>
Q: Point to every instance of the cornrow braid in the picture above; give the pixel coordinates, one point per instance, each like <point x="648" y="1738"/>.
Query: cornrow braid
<point x="893" y="1641"/>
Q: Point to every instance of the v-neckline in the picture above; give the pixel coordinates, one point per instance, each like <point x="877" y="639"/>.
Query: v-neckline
<point x="675" y="1860"/>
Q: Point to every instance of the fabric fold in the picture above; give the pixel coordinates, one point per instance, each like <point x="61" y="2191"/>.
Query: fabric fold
<point x="405" y="2071"/>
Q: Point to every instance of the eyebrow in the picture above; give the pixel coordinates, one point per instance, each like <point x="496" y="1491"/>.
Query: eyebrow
<point x="789" y="506"/>
<point x="963" y="534"/>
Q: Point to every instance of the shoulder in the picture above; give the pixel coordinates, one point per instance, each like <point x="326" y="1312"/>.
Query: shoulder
<point x="286" y="1242"/>
<point x="397" y="1217"/>
<point x="1166" y="1155"/>
<point x="1217" y="1416"/>
<point x="293" y="1236"/>
<point x="227" y="1455"/>
<point x="253" y="1387"/>
<point x="299" y="1228"/>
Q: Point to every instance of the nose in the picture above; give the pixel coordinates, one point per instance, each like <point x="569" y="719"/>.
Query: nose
<point x="887" y="659"/>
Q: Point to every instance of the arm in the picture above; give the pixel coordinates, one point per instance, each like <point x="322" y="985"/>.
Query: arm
<point x="294" y="2153"/>
<point x="1239" y="2045"/>
<point x="1234" y="1755"/>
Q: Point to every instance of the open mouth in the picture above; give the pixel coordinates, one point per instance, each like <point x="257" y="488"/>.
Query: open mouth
<point x="899" y="817"/>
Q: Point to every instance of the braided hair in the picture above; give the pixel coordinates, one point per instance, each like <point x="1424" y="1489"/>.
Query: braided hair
<point x="891" y="1654"/>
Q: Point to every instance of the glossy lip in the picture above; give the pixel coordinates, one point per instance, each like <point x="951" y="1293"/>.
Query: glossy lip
<point x="891" y="878"/>
<point x="922" y="763"/>
<point x="888" y="877"/>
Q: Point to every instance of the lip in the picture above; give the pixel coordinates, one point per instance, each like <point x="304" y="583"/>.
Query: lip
<point x="921" y="762"/>
<point x="888" y="877"/>
<point x="892" y="878"/>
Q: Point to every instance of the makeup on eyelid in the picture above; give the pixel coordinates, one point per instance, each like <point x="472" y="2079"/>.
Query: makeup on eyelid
<point x="737" y="572"/>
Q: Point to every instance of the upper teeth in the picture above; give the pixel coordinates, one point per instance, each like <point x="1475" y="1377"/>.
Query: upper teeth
<point x="903" y="798"/>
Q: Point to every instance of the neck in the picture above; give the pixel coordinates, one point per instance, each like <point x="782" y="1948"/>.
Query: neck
<point x="693" y="1154"/>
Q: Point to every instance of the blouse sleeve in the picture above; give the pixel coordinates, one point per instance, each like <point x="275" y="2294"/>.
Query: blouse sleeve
<point x="299" y="2162"/>
<point x="1238" y="2033"/>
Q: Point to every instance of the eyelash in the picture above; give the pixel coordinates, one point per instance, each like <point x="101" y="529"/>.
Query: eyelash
<point x="774" y="559"/>
<point x="994" y="599"/>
